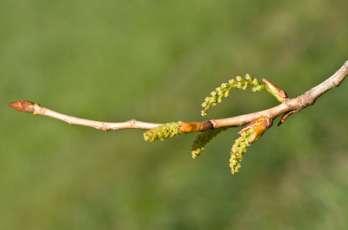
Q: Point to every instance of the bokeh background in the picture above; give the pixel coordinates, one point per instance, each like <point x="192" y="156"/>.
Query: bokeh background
<point x="156" y="61"/>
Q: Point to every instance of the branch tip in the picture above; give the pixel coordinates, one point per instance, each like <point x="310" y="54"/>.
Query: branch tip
<point x="23" y="106"/>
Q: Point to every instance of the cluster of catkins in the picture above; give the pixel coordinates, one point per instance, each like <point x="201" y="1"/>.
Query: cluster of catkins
<point x="248" y="135"/>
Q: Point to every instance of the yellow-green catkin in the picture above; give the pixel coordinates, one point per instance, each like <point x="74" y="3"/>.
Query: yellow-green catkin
<point x="162" y="132"/>
<point x="238" y="150"/>
<point x="202" y="139"/>
<point x="221" y="92"/>
<point x="248" y="135"/>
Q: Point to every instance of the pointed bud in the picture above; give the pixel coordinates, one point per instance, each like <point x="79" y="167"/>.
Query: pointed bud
<point x="276" y="91"/>
<point x="285" y="116"/>
<point x="248" y="135"/>
<point x="23" y="106"/>
<point x="258" y="126"/>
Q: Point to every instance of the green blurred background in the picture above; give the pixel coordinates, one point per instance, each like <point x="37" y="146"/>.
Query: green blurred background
<point x="156" y="61"/>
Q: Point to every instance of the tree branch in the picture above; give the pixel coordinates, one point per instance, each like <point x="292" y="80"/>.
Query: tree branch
<point x="289" y="106"/>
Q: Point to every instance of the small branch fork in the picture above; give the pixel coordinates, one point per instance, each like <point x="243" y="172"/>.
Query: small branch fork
<point x="288" y="107"/>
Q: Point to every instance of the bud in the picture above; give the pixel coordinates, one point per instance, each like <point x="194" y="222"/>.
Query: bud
<point x="188" y="127"/>
<point x="248" y="135"/>
<point x="277" y="92"/>
<point x="23" y="106"/>
<point x="258" y="127"/>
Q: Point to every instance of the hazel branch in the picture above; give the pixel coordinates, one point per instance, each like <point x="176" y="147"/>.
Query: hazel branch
<point x="288" y="105"/>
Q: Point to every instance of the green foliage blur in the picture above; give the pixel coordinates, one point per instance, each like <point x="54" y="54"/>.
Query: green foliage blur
<point x="156" y="61"/>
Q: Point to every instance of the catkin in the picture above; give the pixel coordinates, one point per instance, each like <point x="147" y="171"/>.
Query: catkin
<point x="162" y="132"/>
<point x="222" y="91"/>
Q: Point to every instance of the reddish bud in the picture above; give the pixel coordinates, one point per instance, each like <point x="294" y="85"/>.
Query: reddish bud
<point x="259" y="127"/>
<point x="23" y="106"/>
<point x="188" y="127"/>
